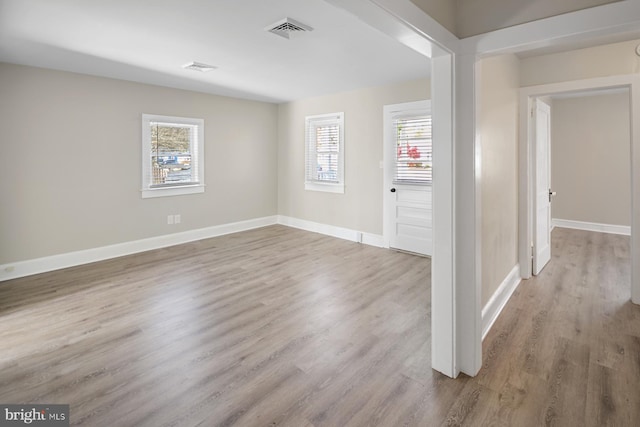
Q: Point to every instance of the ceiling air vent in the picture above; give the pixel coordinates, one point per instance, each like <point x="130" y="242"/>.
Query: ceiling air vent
<point x="199" y="66"/>
<point x="287" y="27"/>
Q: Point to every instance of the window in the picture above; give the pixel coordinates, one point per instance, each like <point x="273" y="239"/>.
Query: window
<point x="413" y="149"/>
<point x="324" y="169"/>
<point x="172" y="156"/>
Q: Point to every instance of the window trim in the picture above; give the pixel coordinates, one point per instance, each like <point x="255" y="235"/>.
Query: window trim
<point x="197" y="152"/>
<point x="311" y="184"/>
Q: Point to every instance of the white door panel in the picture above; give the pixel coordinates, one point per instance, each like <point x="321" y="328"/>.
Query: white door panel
<point x="413" y="194"/>
<point x="412" y="229"/>
<point x="542" y="182"/>
<point x="420" y="215"/>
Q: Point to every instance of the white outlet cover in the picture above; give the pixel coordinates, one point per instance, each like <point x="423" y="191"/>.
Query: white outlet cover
<point x="169" y="219"/>
<point x="176" y="219"/>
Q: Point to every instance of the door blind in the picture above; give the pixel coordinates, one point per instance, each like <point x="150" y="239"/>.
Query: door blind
<point x="413" y="150"/>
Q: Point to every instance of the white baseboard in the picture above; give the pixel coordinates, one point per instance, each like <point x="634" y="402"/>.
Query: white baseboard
<point x="55" y="262"/>
<point x="333" y="231"/>
<point x="592" y="226"/>
<point x="373" y="240"/>
<point x="19" y="269"/>
<point x="494" y="307"/>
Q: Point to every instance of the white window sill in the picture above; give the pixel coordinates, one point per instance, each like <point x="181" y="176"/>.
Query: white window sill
<point x="326" y="187"/>
<point x="172" y="191"/>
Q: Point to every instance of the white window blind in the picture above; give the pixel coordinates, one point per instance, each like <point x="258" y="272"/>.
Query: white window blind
<point x="413" y="150"/>
<point x="324" y="164"/>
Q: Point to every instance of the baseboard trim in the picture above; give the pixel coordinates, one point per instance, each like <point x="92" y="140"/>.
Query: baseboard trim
<point x="373" y="240"/>
<point x="333" y="231"/>
<point x="496" y="304"/>
<point x="592" y="226"/>
<point x="19" y="269"/>
<point x="71" y="259"/>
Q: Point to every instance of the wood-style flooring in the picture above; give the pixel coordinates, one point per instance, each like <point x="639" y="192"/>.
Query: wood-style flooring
<point x="281" y="327"/>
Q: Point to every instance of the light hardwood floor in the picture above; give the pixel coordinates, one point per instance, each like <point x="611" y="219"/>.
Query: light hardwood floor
<point x="278" y="326"/>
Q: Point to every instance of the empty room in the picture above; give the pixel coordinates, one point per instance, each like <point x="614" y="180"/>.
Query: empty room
<point x="319" y="213"/>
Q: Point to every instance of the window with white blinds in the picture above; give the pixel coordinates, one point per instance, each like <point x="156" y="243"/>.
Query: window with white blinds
<point x="413" y="149"/>
<point x="172" y="155"/>
<point x="324" y="163"/>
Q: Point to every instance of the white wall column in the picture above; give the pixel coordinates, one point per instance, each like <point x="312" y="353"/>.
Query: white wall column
<point x="443" y="334"/>
<point x="467" y="262"/>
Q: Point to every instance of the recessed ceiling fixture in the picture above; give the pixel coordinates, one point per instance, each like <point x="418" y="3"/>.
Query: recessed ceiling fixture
<point x="199" y="66"/>
<point x="287" y="27"/>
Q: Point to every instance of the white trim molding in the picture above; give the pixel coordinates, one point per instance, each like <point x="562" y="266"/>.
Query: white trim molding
<point x="333" y="231"/>
<point x="499" y="299"/>
<point x="372" y="240"/>
<point x="19" y="269"/>
<point x="624" y="230"/>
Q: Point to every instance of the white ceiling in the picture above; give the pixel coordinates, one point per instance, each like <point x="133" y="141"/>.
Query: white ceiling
<point x="150" y="41"/>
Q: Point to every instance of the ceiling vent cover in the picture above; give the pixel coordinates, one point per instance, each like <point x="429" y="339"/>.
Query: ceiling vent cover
<point x="287" y="27"/>
<point x="199" y="66"/>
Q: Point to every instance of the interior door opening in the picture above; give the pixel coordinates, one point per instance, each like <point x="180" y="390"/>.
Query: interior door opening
<point x="584" y="169"/>
<point x="528" y="96"/>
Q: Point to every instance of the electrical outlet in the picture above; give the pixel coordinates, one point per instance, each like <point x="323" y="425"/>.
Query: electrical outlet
<point x="169" y="219"/>
<point x="176" y="219"/>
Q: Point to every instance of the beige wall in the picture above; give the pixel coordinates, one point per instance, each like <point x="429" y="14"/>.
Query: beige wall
<point x="498" y="132"/>
<point x="599" y="61"/>
<point x="481" y="16"/>
<point x="443" y="11"/>
<point x="590" y="159"/>
<point x="71" y="154"/>
<point x="360" y="207"/>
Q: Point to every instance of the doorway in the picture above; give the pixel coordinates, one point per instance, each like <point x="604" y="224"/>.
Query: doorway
<point x="590" y="167"/>
<point x="455" y="273"/>
<point x="527" y="156"/>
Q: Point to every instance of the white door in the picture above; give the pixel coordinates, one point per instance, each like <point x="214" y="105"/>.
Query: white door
<point x="407" y="177"/>
<point x="542" y="182"/>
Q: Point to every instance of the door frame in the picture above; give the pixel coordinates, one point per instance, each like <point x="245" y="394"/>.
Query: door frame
<point x="387" y="173"/>
<point x="455" y="275"/>
<point x="525" y="202"/>
<point x="456" y="314"/>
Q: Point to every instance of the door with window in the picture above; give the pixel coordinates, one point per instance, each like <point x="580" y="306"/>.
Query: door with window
<point x="407" y="177"/>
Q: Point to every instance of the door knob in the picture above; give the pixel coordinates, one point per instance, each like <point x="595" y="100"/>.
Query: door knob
<point x="393" y="190"/>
